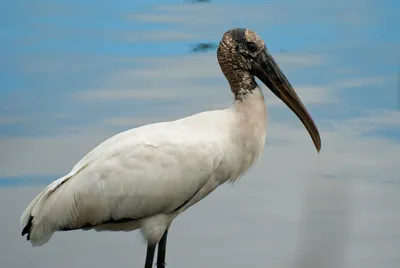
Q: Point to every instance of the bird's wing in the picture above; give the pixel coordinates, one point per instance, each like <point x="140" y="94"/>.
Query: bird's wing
<point x="135" y="174"/>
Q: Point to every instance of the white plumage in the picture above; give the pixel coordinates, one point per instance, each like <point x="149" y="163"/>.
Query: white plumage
<point x="148" y="172"/>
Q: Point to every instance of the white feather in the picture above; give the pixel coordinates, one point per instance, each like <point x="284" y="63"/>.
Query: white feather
<point x="148" y="172"/>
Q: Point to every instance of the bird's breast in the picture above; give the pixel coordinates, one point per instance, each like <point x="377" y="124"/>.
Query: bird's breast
<point x="246" y="137"/>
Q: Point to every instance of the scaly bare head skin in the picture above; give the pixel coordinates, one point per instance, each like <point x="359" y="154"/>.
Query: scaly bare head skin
<point x="242" y="54"/>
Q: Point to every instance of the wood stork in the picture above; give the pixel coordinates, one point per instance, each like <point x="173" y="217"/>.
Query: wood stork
<point x="145" y="177"/>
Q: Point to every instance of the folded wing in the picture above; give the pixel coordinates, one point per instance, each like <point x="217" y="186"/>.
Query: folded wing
<point x="128" y="177"/>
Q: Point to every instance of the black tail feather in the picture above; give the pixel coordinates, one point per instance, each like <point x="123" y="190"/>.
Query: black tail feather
<point x="27" y="228"/>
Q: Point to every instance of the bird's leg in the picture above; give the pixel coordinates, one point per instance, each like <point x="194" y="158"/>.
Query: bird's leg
<point x="162" y="248"/>
<point x="150" y="255"/>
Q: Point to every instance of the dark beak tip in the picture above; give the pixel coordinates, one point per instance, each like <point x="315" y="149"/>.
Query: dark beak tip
<point x="318" y="145"/>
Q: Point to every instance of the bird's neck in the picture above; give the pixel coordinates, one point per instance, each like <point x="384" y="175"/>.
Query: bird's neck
<point x="242" y="83"/>
<point x="250" y="104"/>
<point x="249" y="130"/>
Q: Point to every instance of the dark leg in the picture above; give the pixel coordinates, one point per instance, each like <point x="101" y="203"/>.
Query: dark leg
<point x="162" y="248"/>
<point x="150" y="256"/>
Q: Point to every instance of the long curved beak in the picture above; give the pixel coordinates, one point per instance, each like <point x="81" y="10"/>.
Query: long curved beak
<point x="268" y="71"/>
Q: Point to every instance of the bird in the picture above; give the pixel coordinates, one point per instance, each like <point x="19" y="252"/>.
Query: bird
<point x="143" y="178"/>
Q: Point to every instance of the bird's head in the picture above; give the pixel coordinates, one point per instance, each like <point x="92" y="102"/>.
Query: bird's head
<point x="242" y="54"/>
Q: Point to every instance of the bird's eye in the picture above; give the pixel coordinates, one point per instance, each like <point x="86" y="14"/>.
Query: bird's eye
<point x="252" y="47"/>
